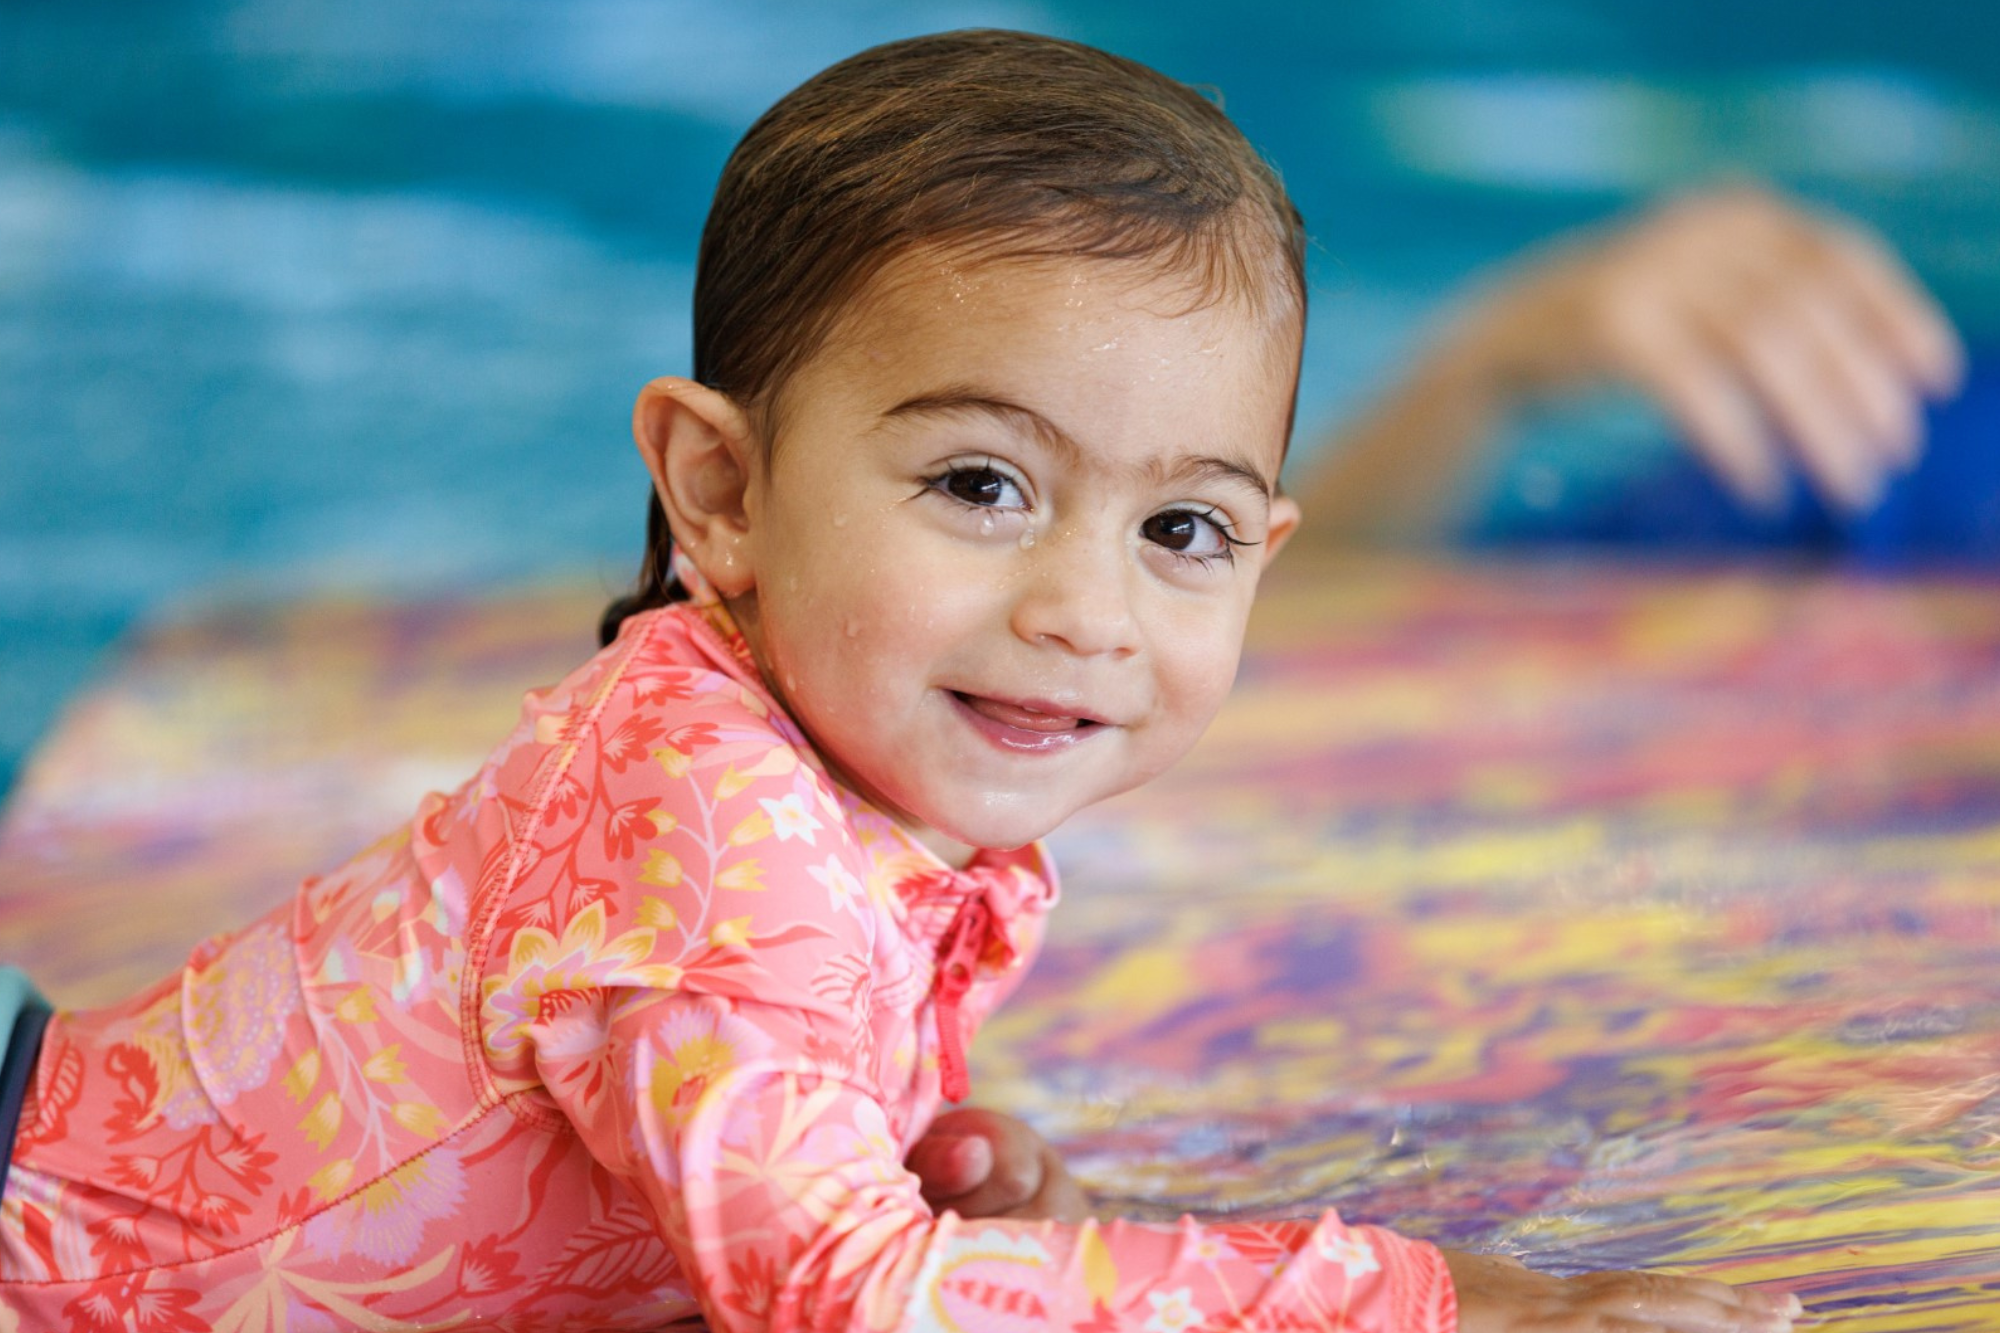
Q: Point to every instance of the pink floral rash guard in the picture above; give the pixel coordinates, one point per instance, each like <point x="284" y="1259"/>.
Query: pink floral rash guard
<point x="635" y="1027"/>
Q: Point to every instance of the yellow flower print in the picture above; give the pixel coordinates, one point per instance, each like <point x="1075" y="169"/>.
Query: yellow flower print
<point x="662" y="868"/>
<point x="691" y="1051"/>
<point x="323" y="1121"/>
<point x="386" y="1220"/>
<point x="541" y="964"/>
<point x="731" y="934"/>
<point x="744" y="876"/>
<point x="755" y="827"/>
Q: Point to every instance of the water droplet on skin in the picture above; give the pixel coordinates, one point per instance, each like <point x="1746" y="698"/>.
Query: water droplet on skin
<point x="986" y="525"/>
<point x="791" y="683"/>
<point x="1027" y="538"/>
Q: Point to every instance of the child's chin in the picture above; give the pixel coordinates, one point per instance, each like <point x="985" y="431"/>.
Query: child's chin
<point x="1001" y="829"/>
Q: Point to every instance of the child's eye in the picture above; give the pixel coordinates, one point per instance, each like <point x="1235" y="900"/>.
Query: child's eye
<point x="981" y="487"/>
<point x="1192" y="534"/>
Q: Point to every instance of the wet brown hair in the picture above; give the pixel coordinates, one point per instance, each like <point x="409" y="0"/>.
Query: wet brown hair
<point x="995" y="145"/>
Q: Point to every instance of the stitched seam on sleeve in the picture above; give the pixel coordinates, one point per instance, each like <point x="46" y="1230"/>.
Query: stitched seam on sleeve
<point x="479" y="934"/>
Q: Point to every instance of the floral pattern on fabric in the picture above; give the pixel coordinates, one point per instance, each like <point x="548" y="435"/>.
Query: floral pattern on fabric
<point x="635" y="1026"/>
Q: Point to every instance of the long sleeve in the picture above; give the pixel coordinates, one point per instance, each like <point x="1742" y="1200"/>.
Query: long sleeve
<point x="711" y="963"/>
<point x="782" y="1194"/>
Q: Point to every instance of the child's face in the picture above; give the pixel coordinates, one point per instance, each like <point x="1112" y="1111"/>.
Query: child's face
<point x="994" y="559"/>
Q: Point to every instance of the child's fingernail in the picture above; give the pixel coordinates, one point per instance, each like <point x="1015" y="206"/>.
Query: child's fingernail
<point x="1783" y="1307"/>
<point x="975" y="1157"/>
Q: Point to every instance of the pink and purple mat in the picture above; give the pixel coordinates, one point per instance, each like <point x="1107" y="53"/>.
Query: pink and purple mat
<point x="1609" y="916"/>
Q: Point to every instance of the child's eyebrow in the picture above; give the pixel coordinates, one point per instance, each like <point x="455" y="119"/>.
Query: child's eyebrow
<point x="1188" y="469"/>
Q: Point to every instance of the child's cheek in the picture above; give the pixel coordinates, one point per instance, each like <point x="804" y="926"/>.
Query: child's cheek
<point x="1201" y="681"/>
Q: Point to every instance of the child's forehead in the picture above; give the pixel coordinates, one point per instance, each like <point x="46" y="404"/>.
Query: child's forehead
<point x="1076" y="343"/>
<point x="937" y="307"/>
<point x="937" y="276"/>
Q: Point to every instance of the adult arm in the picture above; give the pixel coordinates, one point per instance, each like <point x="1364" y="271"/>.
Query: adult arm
<point x="1772" y="337"/>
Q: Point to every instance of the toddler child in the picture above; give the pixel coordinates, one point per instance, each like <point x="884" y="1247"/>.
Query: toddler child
<point x="954" y="531"/>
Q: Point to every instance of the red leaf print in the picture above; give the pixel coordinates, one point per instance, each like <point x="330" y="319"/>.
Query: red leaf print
<point x="132" y="1114"/>
<point x="584" y="892"/>
<point x="533" y="910"/>
<point x="631" y="742"/>
<point x="687" y="739"/>
<point x="664" y="687"/>
<point x="755" y="1281"/>
<point x="1269" y="1242"/>
<point x="219" y="1212"/>
<point x="564" y="801"/>
<point x="627" y="825"/>
<point x="116" y="1237"/>
<point x="138" y="1171"/>
<point x="486" y="1267"/>
<point x="618" y="1255"/>
<point x="296" y="1207"/>
<point x="130" y="1303"/>
<point x="245" y="1162"/>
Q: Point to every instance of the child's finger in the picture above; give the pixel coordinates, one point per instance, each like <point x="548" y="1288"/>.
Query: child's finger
<point x="1687" y="1305"/>
<point x="951" y="1166"/>
<point x="1013" y="1176"/>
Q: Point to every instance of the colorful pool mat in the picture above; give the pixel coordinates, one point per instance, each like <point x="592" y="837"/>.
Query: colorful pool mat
<point x="1608" y="916"/>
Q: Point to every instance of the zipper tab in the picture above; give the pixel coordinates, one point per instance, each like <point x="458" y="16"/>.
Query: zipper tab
<point x="962" y="943"/>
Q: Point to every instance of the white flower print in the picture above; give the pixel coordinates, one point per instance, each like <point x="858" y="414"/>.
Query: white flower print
<point x="1354" y="1256"/>
<point x="1173" y="1311"/>
<point x="843" y="890"/>
<point x="1212" y="1248"/>
<point x="789" y="818"/>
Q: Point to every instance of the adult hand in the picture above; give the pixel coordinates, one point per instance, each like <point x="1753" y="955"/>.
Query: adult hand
<point x="1499" y="1295"/>
<point x="981" y="1163"/>
<point x="1772" y="336"/>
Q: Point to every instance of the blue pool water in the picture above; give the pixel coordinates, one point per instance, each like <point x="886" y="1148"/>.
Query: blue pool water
<point x="296" y="294"/>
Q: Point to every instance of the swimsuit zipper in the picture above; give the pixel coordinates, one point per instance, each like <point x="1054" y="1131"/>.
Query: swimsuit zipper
<point x="962" y="944"/>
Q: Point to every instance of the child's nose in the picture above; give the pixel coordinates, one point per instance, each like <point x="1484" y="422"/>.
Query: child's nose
<point x="1075" y="592"/>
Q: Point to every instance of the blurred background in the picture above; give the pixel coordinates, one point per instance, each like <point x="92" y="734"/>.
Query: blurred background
<point x="298" y="295"/>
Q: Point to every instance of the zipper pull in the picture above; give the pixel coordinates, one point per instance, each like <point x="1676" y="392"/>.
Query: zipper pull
<point x="954" y="980"/>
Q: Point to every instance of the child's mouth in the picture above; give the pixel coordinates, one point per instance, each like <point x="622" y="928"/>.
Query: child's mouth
<point x="1023" y="726"/>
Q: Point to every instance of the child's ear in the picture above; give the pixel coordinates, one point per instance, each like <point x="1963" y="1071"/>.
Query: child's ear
<point x="697" y="443"/>
<point x="1284" y="522"/>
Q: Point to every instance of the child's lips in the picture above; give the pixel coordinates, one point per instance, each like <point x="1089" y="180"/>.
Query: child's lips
<point x="1031" y="724"/>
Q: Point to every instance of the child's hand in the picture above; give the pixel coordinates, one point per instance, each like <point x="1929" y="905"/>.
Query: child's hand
<point x="1498" y="1295"/>
<point x="984" y="1164"/>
